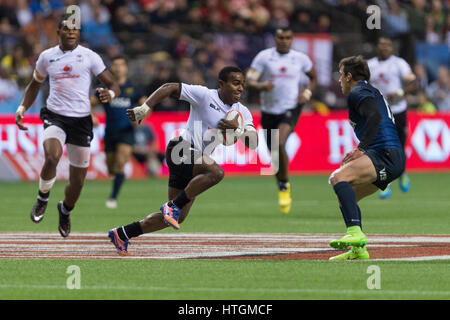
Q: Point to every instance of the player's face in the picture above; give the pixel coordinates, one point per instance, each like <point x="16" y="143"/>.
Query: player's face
<point x="119" y="68"/>
<point x="283" y="40"/>
<point x="344" y="82"/>
<point x="232" y="89"/>
<point x="69" y="37"/>
<point x="384" y="48"/>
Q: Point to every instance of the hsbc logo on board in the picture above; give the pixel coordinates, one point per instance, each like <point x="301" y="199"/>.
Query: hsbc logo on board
<point x="431" y="140"/>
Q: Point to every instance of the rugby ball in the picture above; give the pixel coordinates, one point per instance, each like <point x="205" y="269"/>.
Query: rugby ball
<point x="229" y="137"/>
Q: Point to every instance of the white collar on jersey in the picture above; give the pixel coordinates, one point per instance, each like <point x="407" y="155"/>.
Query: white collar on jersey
<point x="59" y="47"/>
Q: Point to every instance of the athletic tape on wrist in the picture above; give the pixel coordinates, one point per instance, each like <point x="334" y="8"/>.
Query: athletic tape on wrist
<point x="141" y="111"/>
<point x="307" y="94"/>
<point x="112" y="94"/>
<point x="21" y="109"/>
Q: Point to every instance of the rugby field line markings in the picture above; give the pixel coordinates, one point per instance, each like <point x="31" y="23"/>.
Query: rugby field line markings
<point x="244" y="290"/>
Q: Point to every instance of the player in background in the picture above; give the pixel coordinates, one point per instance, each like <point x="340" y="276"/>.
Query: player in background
<point x="119" y="131"/>
<point x="378" y="159"/>
<point x="394" y="78"/>
<point x="67" y="119"/>
<point x="277" y="73"/>
<point x="191" y="169"/>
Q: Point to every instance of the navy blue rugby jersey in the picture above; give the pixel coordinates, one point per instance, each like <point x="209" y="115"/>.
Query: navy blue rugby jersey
<point x="115" y="110"/>
<point x="386" y="137"/>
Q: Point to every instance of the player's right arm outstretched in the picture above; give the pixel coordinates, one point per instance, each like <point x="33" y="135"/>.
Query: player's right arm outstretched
<point x="29" y="96"/>
<point x="143" y="111"/>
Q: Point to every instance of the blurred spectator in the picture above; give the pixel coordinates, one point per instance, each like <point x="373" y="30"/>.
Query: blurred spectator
<point x="8" y="37"/>
<point x="432" y="37"/>
<point x="45" y="8"/>
<point x="439" y="90"/>
<point x="438" y="16"/>
<point x="446" y="32"/>
<point x="97" y="32"/>
<point x="125" y="21"/>
<point x="279" y="19"/>
<point x="417" y="18"/>
<point x="18" y="67"/>
<point x="396" y="20"/>
<point x="7" y="11"/>
<point x="164" y="74"/>
<point x="259" y="15"/>
<point x="425" y="106"/>
<point x="24" y="15"/>
<point x="421" y="76"/>
<point x="162" y="11"/>
<point x="323" y="23"/>
<point x="181" y="11"/>
<point x="8" y="87"/>
<point x="302" y="22"/>
<point x="94" y="10"/>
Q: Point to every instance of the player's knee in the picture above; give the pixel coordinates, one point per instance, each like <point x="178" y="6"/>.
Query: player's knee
<point x="217" y="175"/>
<point x="338" y="177"/>
<point x="52" y="159"/>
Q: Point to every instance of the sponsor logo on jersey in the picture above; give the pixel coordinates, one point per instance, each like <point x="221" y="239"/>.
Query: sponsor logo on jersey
<point x="67" y="68"/>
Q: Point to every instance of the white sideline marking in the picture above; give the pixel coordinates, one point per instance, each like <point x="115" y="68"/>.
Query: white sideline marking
<point x="171" y="246"/>
<point x="245" y="290"/>
<point x="426" y="258"/>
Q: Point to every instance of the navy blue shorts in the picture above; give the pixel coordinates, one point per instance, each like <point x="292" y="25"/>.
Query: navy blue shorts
<point x="389" y="164"/>
<point x="114" y="137"/>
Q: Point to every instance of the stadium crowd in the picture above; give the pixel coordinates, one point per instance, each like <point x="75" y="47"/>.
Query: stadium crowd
<point x="179" y="40"/>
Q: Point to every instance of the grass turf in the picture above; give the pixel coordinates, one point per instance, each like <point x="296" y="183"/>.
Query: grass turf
<point x="236" y="205"/>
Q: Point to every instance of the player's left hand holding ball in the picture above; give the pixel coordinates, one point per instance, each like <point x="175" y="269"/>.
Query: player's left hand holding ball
<point x="225" y="124"/>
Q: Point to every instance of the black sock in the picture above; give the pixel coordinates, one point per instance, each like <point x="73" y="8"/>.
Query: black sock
<point x="347" y="199"/>
<point x="127" y="232"/>
<point x="181" y="200"/>
<point x="343" y="216"/>
<point x="119" y="178"/>
<point x="282" y="185"/>
<point x="43" y="197"/>
<point x="66" y="208"/>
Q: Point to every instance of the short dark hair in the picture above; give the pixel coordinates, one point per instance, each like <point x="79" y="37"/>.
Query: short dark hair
<point x="224" y="73"/>
<point x="283" y="29"/>
<point x="62" y="19"/>
<point x="120" y="57"/>
<point x="357" y="66"/>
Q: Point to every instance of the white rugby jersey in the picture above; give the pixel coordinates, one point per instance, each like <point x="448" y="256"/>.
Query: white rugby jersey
<point x="207" y="109"/>
<point x="70" y="76"/>
<point x="286" y="72"/>
<point x="387" y="75"/>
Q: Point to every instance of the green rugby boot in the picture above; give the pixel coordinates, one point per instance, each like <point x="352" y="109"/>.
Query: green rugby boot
<point x="355" y="253"/>
<point x="353" y="238"/>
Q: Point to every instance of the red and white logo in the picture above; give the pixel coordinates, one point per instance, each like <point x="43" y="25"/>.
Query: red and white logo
<point x="283" y="69"/>
<point x="431" y="140"/>
<point x="67" y="68"/>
